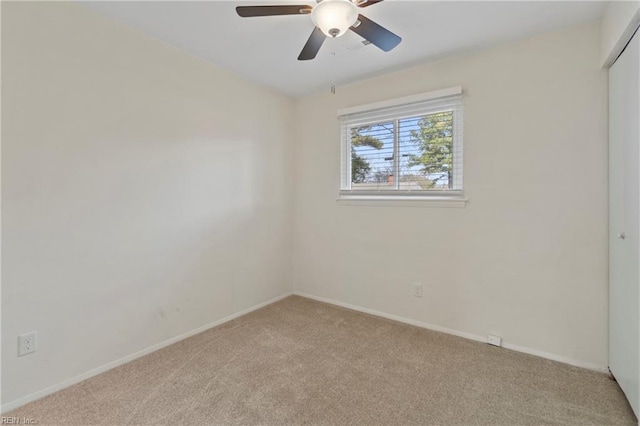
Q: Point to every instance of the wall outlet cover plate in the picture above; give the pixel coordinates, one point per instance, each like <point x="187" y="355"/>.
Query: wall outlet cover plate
<point x="494" y="340"/>
<point x="27" y="343"/>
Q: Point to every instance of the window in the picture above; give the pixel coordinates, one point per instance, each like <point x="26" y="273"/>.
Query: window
<point x="409" y="147"/>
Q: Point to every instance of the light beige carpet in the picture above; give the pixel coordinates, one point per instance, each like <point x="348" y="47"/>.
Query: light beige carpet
<point x="303" y="362"/>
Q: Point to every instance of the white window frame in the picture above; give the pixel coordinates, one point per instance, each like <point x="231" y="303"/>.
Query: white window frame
<point x="430" y="101"/>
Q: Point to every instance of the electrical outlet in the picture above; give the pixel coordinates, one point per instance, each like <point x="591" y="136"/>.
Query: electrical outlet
<point x="27" y="343"/>
<point x="417" y="289"/>
<point x="494" y="340"/>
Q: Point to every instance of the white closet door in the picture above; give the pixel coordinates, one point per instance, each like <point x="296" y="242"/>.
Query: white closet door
<point x="624" y="221"/>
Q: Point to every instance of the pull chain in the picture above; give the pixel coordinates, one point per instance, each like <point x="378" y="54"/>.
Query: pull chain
<point x="333" y="73"/>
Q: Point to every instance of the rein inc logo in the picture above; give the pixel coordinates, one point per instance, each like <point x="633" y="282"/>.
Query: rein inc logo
<point x="5" y="420"/>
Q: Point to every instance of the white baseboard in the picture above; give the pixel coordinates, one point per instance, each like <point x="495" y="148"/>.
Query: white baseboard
<point x="94" y="372"/>
<point x="506" y="345"/>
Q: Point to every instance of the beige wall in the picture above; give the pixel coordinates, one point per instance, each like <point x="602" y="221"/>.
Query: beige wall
<point x="145" y="193"/>
<point x="527" y="257"/>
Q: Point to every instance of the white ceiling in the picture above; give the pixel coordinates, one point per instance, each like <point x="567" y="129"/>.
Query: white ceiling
<point x="266" y="49"/>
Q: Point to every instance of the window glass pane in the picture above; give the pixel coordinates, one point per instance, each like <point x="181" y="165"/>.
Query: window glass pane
<point x="426" y="152"/>
<point x="412" y="149"/>
<point x="372" y="156"/>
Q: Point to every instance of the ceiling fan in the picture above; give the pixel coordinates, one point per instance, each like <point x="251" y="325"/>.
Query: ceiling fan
<point x="332" y="18"/>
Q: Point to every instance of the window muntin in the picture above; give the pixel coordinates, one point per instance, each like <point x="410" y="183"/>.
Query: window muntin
<point x="413" y="149"/>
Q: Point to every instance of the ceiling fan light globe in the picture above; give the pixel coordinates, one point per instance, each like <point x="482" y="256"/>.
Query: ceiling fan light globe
<point x="334" y="17"/>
